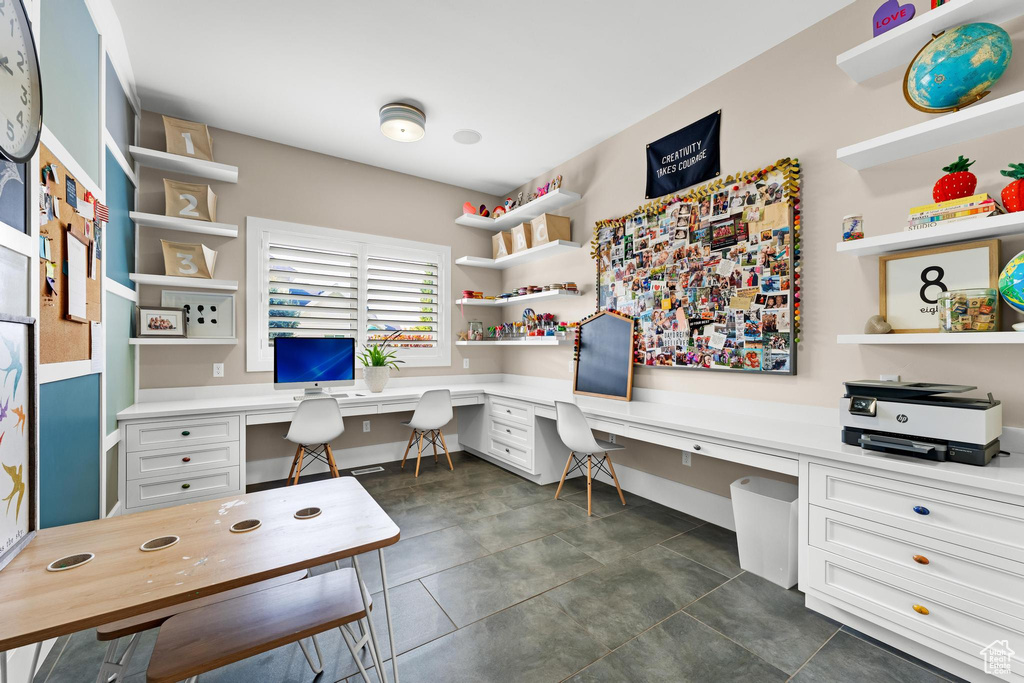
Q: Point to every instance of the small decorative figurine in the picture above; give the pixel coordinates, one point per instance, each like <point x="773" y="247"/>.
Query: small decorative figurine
<point x="543" y="190"/>
<point x="483" y="211"/>
<point x="853" y="228"/>
<point x="958" y="182"/>
<point x="519" y="200"/>
<point x="556" y="183"/>
<point x="532" y="196"/>
<point x="876" y="325"/>
<point x="509" y="204"/>
<point x="891" y="14"/>
<point x="499" y="211"/>
<point x="1013" y="194"/>
<point x="468" y="209"/>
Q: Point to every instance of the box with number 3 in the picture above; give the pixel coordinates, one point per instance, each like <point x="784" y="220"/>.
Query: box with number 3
<point x="182" y="259"/>
<point x="189" y="200"/>
<point x="188" y="138"/>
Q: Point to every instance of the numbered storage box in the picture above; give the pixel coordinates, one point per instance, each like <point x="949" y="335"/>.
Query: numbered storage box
<point x="193" y="201"/>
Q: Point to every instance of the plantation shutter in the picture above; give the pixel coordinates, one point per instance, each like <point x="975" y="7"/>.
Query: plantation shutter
<point x="403" y="296"/>
<point x="312" y="292"/>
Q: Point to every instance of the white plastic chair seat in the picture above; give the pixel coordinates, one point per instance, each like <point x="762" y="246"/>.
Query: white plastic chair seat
<point x="316" y="421"/>
<point x="607" y="446"/>
<point x="585" y="452"/>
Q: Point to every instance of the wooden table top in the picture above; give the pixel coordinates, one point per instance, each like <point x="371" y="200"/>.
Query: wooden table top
<point x="122" y="581"/>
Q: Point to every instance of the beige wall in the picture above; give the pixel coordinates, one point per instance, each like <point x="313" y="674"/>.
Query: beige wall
<point x="286" y="183"/>
<point x="794" y="101"/>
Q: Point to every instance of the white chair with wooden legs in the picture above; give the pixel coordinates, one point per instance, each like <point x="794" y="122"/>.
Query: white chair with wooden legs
<point x="316" y="423"/>
<point x="584" y="449"/>
<point x="433" y="412"/>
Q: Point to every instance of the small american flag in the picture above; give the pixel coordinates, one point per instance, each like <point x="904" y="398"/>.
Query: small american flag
<point x="102" y="213"/>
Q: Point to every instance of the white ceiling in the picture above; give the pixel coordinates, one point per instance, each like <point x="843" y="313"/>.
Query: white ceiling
<point x="541" y="80"/>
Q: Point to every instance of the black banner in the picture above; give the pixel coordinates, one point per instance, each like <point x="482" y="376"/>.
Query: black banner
<point x="685" y="158"/>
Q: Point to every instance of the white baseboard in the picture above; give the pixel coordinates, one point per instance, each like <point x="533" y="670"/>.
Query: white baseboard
<point x="116" y="510"/>
<point x="19" y="661"/>
<point x="275" y="469"/>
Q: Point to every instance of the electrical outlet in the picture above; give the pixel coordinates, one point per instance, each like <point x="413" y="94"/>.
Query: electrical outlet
<point x="686" y="458"/>
<point x="611" y="438"/>
<point x="218" y="369"/>
<point x="366" y="425"/>
<point x="889" y="378"/>
<point x="465" y="364"/>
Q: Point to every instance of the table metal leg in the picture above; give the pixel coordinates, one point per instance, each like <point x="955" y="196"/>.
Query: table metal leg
<point x="366" y="606"/>
<point x="3" y="666"/>
<point x="387" y="613"/>
<point x="32" y="670"/>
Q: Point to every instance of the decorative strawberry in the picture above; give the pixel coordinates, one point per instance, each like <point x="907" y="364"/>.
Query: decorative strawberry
<point x="1013" y="194"/>
<point x="958" y="182"/>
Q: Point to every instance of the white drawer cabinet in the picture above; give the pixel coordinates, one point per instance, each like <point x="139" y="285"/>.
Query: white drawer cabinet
<point x="186" y="432"/>
<point x="513" y="454"/>
<point x="509" y="409"/>
<point x="144" y="464"/>
<point x="511" y="432"/>
<point x="181" y="487"/>
<point x="983" y="524"/>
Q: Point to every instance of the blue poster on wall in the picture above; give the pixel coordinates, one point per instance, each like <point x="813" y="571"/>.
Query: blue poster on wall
<point x="13" y="197"/>
<point x="688" y="157"/>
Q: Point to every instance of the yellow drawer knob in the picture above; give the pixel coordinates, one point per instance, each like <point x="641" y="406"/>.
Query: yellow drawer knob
<point x="921" y="609"/>
<point x="920" y="559"/>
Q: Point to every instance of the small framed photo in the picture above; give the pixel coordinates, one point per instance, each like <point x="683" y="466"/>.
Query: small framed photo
<point x="154" y="321"/>
<point x="909" y="283"/>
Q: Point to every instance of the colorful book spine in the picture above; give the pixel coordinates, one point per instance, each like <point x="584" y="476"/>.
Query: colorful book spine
<point x="974" y="199"/>
<point x="928" y="221"/>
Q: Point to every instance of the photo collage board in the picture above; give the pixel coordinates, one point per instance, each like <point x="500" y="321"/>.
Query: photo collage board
<point x="711" y="277"/>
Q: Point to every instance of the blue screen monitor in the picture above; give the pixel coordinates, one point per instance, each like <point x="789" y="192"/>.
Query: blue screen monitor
<point x="314" y="362"/>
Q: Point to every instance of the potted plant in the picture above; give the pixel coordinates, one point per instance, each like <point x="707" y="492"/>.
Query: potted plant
<point x="377" y="362"/>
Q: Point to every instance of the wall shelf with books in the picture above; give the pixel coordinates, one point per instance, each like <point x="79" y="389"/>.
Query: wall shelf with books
<point x="552" y="201"/>
<point x="933" y="338"/>
<point x="968" y="229"/>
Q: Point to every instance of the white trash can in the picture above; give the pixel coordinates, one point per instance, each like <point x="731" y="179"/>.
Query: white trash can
<point x="766" y="528"/>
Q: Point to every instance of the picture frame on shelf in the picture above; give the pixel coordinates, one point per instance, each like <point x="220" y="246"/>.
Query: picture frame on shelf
<point x="19" y="450"/>
<point x="157" y="321"/>
<point x="909" y="282"/>
<point x="207" y="316"/>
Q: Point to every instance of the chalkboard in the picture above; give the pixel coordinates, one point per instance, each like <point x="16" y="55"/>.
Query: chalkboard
<point x="604" y="366"/>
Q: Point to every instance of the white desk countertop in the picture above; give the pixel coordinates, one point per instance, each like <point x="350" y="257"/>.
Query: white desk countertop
<point x="818" y="434"/>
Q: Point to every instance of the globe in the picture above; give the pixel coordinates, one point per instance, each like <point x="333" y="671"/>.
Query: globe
<point x="1011" y="282"/>
<point x="958" y="67"/>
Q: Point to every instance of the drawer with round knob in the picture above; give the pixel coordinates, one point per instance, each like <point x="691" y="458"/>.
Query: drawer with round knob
<point x="145" y="464"/>
<point x="511" y="453"/>
<point x="141" y="436"/>
<point x="508" y="409"/>
<point x="179" y="488"/>
<point x="510" y="431"/>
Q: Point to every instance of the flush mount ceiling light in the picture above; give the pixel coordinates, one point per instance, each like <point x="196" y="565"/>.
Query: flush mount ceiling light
<point x="467" y="136"/>
<point x="402" y="122"/>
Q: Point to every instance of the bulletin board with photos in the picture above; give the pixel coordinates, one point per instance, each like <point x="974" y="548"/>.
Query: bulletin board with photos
<point x="712" y="277"/>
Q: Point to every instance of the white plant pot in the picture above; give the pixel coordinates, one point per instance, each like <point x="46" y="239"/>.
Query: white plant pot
<point x="376" y="378"/>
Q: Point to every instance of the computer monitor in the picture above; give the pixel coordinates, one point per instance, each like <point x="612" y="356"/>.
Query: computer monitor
<point x="313" y="363"/>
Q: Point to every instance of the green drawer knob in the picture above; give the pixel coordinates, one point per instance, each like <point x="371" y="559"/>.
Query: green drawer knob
<point x="186" y="433"/>
<point x="185" y="486"/>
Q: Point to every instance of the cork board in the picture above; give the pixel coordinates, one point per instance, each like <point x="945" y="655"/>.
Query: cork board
<point x="63" y="340"/>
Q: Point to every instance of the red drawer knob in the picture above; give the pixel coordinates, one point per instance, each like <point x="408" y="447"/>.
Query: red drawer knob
<point x="186" y="459"/>
<point x="920" y="559"/>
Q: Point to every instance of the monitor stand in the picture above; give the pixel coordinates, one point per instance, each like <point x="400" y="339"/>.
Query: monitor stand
<point x="316" y="393"/>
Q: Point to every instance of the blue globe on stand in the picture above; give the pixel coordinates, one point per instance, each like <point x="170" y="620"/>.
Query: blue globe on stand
<point x="1011" y="283"/>
<point x="957" y="68"/>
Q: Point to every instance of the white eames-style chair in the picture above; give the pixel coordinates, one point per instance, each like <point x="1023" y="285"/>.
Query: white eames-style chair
<point x="433" y="412"/>
<point x="316" y="423"/>
<point x="584" y="449"/>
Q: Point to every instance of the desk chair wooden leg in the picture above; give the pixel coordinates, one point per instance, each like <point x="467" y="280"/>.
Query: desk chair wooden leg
<point x="419" y="453"/>
<point x="298" y="467"/>
<point x="446" y="453"/>
<point x="330" y="461"/>
<point x="412" y="435"/>
<point x="433" y="443"/>
<point x="588" y="485"/>
<point x="291" y="472"/>
<point x="565" y="472"/>
<point x="612" y="470"/>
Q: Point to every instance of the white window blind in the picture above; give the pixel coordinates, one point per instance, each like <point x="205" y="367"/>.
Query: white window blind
<point x="320" y="282"/>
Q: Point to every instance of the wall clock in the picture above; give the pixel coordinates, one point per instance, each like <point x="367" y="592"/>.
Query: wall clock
<point x="21" y="95"/>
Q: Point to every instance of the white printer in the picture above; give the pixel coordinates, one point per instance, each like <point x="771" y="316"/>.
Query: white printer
<point x="913" y="418"/>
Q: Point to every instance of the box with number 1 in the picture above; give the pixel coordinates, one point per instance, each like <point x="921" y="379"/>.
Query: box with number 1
<point x="188" y="138"/>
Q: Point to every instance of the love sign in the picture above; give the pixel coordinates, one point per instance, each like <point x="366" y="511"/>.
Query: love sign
<point x="891" y="14"/>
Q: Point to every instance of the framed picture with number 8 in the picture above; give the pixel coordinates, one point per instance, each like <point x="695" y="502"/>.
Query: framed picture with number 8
<point x="909" y="283"/>
<point x="188" y="138"/>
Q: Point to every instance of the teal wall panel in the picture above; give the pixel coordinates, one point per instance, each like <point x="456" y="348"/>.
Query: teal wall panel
<point x="70" y="64"/>
<point x="120" y="115"/>
<point x="69" y="451"/>
<point x="120" y="231"/>
<point x="117" y="324"/>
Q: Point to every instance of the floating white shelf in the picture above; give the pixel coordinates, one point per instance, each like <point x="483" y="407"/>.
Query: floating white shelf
<point x="934" y="338"/>
<point x="528" y="256"/>
<point x="556" y="294"/>
<point x="524" y="341"/>
<point x="186" y="282"/>
<point x="898" y="46"/>
<point x="988" y="117"/>
<point x="152" y="220"/>
<point x="961" y="231"/>
<point x="179" y="341"/>
<point x="176" y="163"/>
<point x="552" y="201"/>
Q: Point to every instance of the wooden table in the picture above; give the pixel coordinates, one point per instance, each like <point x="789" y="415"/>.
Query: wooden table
<point x="123" y="581"/>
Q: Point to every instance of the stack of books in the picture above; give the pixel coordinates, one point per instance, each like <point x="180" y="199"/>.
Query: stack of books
<point x="954" y="210"/>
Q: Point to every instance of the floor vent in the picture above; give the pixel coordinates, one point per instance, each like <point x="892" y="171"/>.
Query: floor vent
<point x="367" y="470"/>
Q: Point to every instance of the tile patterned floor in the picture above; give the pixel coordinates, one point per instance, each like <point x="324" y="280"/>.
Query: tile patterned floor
<point x="495" y="581"/>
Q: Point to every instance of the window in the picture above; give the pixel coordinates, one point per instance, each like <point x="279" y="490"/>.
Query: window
<point x="319" y="282"/>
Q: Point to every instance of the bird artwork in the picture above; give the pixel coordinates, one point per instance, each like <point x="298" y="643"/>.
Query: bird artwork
<point x="8" y="172"/>
<point x="20" y="412"/>
<point x="3" y="410"/>
<point x="14" y="366"/>
<point x="18" y="490"/>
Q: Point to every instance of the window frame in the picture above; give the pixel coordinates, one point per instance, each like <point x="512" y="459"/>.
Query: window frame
<point x="260" y="231"/>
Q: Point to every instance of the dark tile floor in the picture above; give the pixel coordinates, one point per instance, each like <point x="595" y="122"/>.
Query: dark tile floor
<point x="495" y="581"/>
